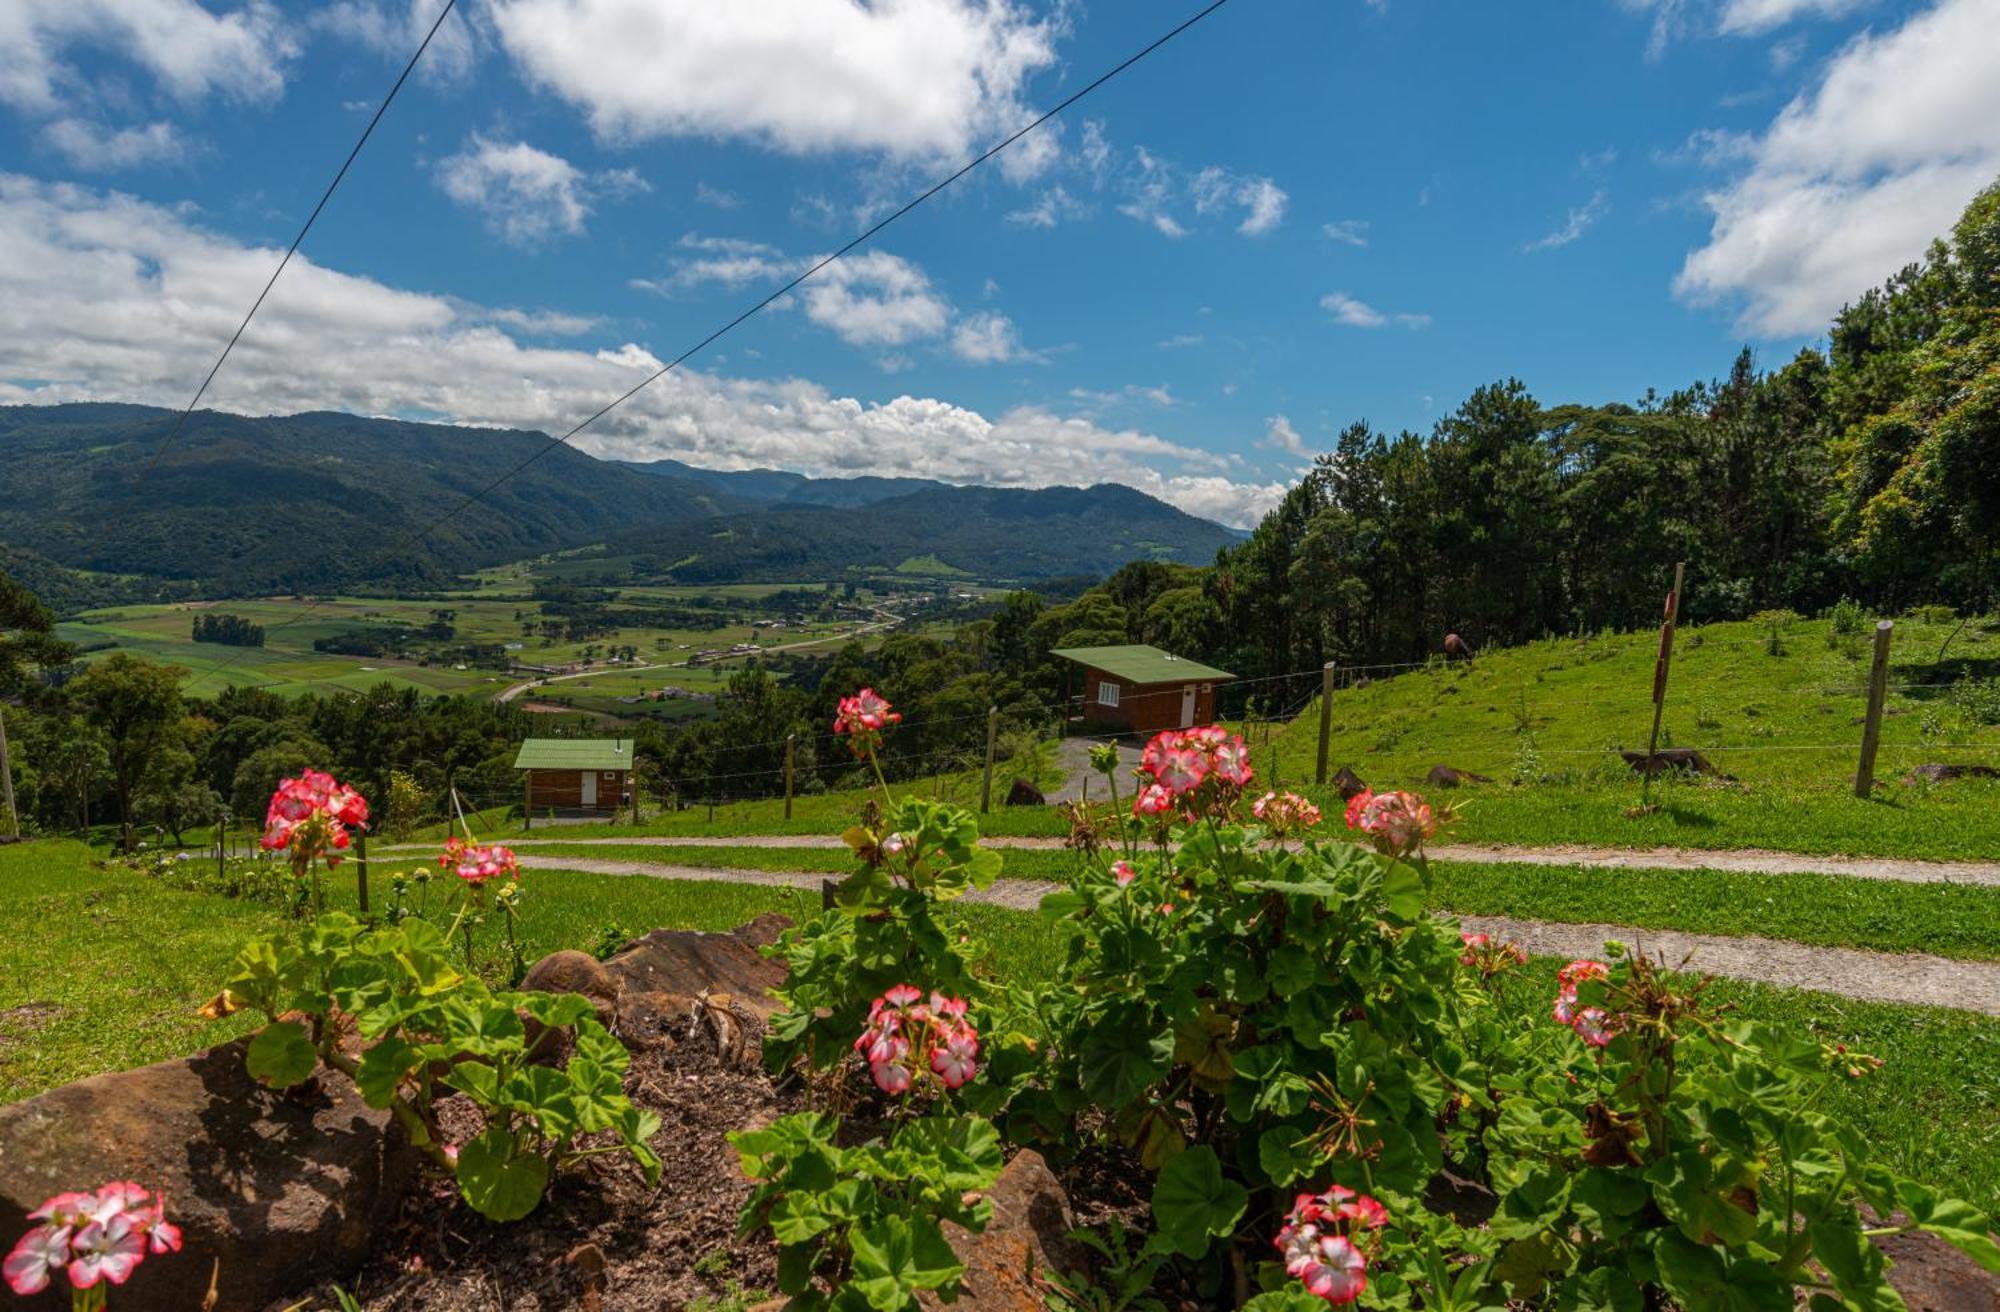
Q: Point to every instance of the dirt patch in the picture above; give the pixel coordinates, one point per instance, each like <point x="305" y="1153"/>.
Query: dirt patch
<point x="17" y="1023"/>
<point x="602" y="1239"/>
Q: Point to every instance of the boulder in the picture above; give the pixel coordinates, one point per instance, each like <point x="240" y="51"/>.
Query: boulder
<point x="1446" y="776"/>
<point x="570" y="971"/>
<point x="1944" y="774"/>
<point x="685" y="962"/>
<point x="1024" y="793"/>
<point x="1027" y="1239"/>
<point x="1348" y="784"/>
<point x="271" y="1191"/>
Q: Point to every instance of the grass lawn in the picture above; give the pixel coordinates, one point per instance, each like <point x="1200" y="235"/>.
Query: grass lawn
<point x="101" y="969"/>
<point x="1948" y="920"/>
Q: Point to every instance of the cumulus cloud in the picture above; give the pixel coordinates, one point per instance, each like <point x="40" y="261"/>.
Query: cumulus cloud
<point x="1158" y="192"/>
<point x="1857" y="175"/>
<point x="716" y="197"/>
<point x="875" y="299"/>
<point x="914" y="80"/>
<point x="989" y="338"/>
<point x="727" y="262"/>
<point x="103" y="296"/>
<point x="1055" y="205"/>
<point x="525" y="195"/>
<point x="1355" y="313"/>
<point x="394" y="28"/>
<point x="96" y="148"/>
<point x="1279" y="433"/>
<point x="1579" y="221"/>
<point x="1218" y="190"/>
<point x="188" y="50"/>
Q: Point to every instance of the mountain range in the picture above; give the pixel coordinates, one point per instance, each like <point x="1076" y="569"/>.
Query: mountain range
<point x="322" y="501"/>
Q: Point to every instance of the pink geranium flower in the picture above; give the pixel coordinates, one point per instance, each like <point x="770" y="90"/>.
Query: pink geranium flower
<point x="480" y="865"/>
<point x="906" y="1034"/>
<point x="1285" y="813"/>
<point x="1153" y="799"/>
<point x="309" y="816"/>
<point x="863" y="718"/>
<point x="1591" y="1024"/>
<point x="40" y="1254"/>
<point x="1399" y="822"/>
<point x="1321" y="1243"/>
<point x="1124" y="872"/>
<point x="92" y="1238"/>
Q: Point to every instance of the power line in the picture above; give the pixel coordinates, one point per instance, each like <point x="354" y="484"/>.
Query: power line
<point x="291" y="250"/>
<point x="411" y="539"/>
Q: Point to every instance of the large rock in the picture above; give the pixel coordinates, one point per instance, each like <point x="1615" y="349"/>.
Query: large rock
<point x="1027" y="1239"/>
<point x="1450" y="776"/>
<point x="1348" y="784"/>
<point x="273" y="1191"/>
<point x="1672" y="760"/>
<point x="570" y="971"/>
<point x="1944" y="774"/>
<point x="687" y="963"/>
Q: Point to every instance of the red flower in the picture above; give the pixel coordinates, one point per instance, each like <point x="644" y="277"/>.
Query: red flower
<point x="902" y="1026"/>
<point x="310" y="816"/>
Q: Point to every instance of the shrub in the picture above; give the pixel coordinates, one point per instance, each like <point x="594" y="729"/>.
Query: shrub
<point x="1845" y="618"/>
<point x="1977" y="700"/>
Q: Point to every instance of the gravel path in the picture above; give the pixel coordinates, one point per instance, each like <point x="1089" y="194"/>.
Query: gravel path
<point x="1746" y="861"/>
<point x="1870" y="976"/>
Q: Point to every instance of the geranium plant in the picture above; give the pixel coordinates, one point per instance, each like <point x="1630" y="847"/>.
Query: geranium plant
<point x="861" y="1227"/>
<point x="384" y="1006"/>
<point x="92" y="1241"/>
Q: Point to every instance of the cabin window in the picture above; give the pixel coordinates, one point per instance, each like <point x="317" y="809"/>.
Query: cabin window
<point x="1107" y="693"/>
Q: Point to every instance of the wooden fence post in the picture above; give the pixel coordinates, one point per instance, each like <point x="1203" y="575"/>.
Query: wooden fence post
<point x="527" y="800"/>
<point x="1325" y="720"/>
<point x="361" y="866"/>
<point x="791" y="743"/>
<point x="992" y="742"/>
<point x="7" y="780"/>
<point x="221" y="843"/>
<point x="1662" y="663"/>
<point x="1878" y="692"/>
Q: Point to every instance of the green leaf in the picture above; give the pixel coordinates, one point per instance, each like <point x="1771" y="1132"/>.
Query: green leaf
<point x="894" y="1257"/>
<point x="796" y="1218"/>
<point x="1699" y="1278"/>
<point x="281" y="1055"/>
<point x="1122" y="1057"/>
<point x="1286" y="1154"/>
<point x="1403" y="891"/>
<point x="383" y="1068"/>
<point x="1959" y="1224"/>
<point x="1193" y="1203"/>
<point x="498" y="1182"/>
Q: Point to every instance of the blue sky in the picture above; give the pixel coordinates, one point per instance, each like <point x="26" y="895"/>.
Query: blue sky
<point x="1301" y="213"/>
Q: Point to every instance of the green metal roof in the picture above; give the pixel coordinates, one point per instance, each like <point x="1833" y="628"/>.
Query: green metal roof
<point x="1141" y="664"/>
<point x="575" y="754"/>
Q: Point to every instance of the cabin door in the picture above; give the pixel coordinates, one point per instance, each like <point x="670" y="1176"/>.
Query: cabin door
<point x="590" y="788"/>
<point x="1187" y="707"/>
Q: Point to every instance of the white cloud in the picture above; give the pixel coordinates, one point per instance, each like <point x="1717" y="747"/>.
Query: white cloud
<point x="1579" y="221"/>
<point x="1180" y="340"/>
<point x="190" y="51"/>
<point x="524" y="194"/>
<point x="1278" y="432"/>
<point x="106" y="297"/>
<point x="915" y="79"/>
<point x="1054" y="206"/>
<point x="1216" y="189"/>
<point x="1856" y="176"/>
<point x="1355" y="313"/>
<point x="1749" y="17"/>
<point x="716" y="197"/>
<point x="729" y="262"/>
<point x="989" y="338"/>
<point x="1149" y="190"/>
<point x="875" y="299"/>
<point x="96" y="148"/>
<point x="394" y="28"/>
<point x="1348" y="232"/>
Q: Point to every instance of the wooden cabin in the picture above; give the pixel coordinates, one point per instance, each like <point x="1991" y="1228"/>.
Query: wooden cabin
<point x="575" y="776"/>
<point x="1141" y="689"/>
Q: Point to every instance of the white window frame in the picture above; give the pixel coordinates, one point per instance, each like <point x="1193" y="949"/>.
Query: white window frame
<point x="1107" y="693"/>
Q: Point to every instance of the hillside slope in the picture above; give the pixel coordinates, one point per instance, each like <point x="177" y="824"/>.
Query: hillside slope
<point x="303" y="502"/>
<point x="782" y="487"/>
<point x="994" y="533"/>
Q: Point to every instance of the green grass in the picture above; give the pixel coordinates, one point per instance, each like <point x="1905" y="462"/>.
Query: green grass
<point x="1784" y="726"/>
<point x="1947" y="920"/>
<point x="103" y="969"/>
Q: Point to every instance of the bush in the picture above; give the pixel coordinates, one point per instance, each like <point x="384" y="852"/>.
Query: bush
<point x="1977" y="700"/>
<point x="1845" y="618"/>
